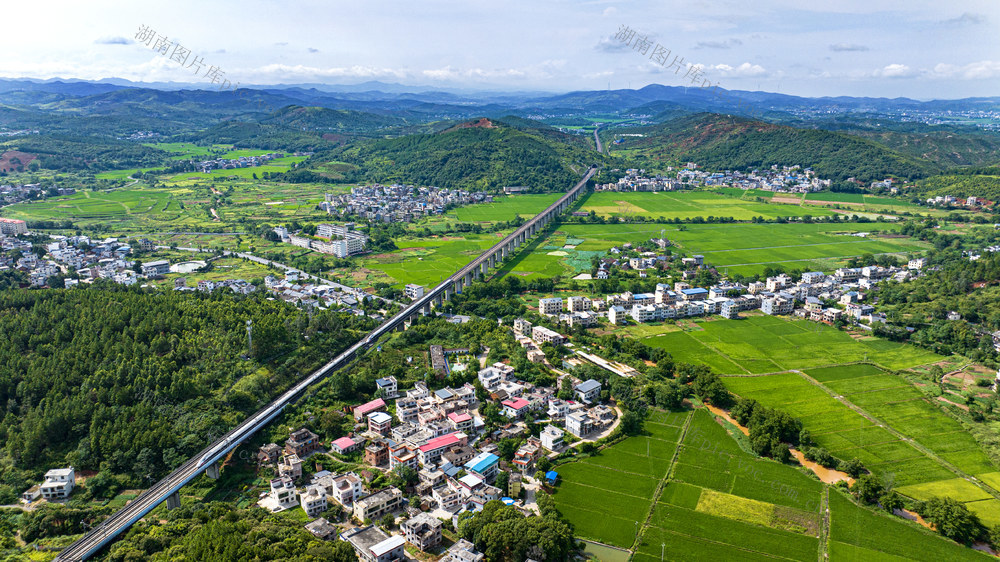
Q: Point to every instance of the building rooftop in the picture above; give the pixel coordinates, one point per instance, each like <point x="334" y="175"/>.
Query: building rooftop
<point x="370" y="406"/>
<point x="482" y="461"/>
<point x="517" y="404"/>
<point x="344" y="442"/>
<point x="380" y="417"/>
<point x="588" y="385"/>
<point x="438" y="442"/>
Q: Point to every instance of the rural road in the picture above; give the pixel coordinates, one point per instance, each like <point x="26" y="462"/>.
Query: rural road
<point x="597" y="139"/>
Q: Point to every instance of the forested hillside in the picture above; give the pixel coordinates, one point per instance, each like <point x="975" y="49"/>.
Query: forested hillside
<point x="132" y="383"/>
<point x="330" y="120"/>
<point x="256" y="135"/>
<point x="75" y="153"/>
<point x="970" y="182"/>
<point x="721" y="142"/>
<point x="482" y="156"/>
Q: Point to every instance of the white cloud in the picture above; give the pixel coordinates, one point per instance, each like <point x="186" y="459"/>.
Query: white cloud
<point x="745" y="70"/>
<point x="895" y="70"/>
<point x="449" y="73"/>
<point x="609" y="11"/>
<point x="284" y="71"/>
<point x="973" y="71"/>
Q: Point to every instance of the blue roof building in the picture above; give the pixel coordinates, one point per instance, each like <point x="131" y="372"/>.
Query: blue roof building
<point x="485" y="465"/>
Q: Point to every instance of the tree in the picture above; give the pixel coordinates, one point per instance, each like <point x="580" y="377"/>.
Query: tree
<point x="891" y="501"/>
<point x="565" y="389"/>
<point x="503" y="478"/>
<point x="868" y="489"/>
<point x="953" y="520"/>
<point x="403" y="476"/>
<point x="853" y="467"/>
<point x="388" y="521"/>
<point x="671" y="395"/>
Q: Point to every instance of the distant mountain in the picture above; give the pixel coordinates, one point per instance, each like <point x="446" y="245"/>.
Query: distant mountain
<point x="719" y="142"/>
<point x="480" y="155"/>
<point x="331" y="120"/>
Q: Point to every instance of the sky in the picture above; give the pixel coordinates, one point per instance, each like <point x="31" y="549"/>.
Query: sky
<point x="885" y="48"/>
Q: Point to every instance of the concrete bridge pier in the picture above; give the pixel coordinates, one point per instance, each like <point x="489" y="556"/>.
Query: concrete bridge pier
<point x="439" y="300"/>
<point x="174" y="500"/>
<point x="485" y="267"/>
<point x="212" y="470"/>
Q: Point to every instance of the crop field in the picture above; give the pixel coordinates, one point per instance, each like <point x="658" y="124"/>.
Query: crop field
<point x="876" y="536"/>
<point x="848" y="434"/>
<point x="737" y="248"/>
<point x="905" y="409"/>
<point x="428" y="261"/>
<point x="863" y="202"/>
<point x="765" y="344"/>
<point x="688" y="204"/>
<point x="606" y="495"/>
<point x="506" y="208"/>
<point x="723" y="503"/>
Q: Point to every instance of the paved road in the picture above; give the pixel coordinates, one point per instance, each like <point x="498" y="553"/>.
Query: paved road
<point x="597" y="139"/>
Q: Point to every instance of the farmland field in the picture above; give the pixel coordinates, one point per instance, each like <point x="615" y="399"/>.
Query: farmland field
<point x="506" y="208"/>
<point x="609" y="495"/>
<point x="737" y="248"/>
<point x="877" y="536"/>
<point x="764" y="344"/>
<point x="428" y="261"/>
<point x="848" y="434"/>
<point x="688" y="204"/>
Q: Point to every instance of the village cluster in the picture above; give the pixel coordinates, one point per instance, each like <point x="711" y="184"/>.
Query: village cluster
<point x="398" y="203"/>
<point x="206" y="166"/>
<point x="441" y="436"/>
<point x="775" y="295"/>
<point x="790" y="179"/>
<point x="338" y="240"/>
<point x="10" y="194"/>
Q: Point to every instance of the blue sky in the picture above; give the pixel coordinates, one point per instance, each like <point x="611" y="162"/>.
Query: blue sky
<point x="890" y="48"/>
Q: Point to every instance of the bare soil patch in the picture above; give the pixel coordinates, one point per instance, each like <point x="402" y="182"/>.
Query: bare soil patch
<point x="15" y="161"/>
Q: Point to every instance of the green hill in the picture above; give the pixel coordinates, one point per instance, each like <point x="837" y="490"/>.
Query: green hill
<point x="481" y="155"/>
<point x="721" y="142"/>
<point x="331" y="120"/>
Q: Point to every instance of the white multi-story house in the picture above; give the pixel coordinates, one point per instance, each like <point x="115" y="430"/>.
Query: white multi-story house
<point x="550" y="306"/>
<point x="578" y="304"/>
<point x="541" y="334"/>
<point x="313" y="500"/>
<point x="58" y="483"/>
<point x="552" y="438"/>
<point x="413" y="291"/>
<point x="616" y="314"/>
